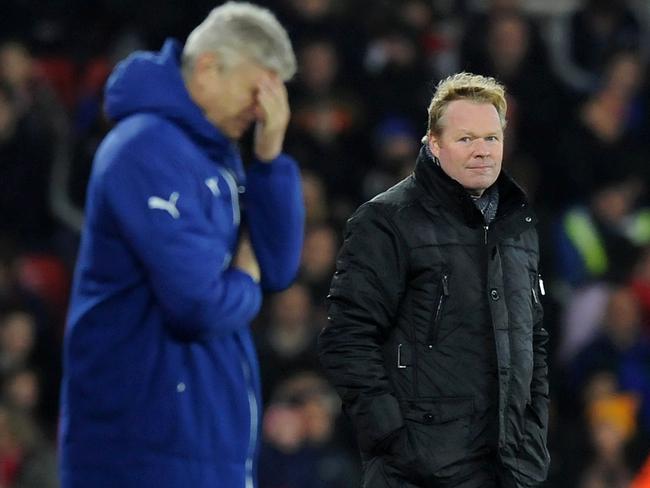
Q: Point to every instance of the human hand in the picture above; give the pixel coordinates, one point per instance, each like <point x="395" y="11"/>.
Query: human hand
<point x="245" y="259"/>
<point x="273" y="118"/>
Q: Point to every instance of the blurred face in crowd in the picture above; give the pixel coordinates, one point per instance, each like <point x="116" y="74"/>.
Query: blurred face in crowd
<point x="623" y="317"/>
<point x="22" y="390"/>
<point x="470" y="144"/>
<point x="319" y="252"/>
<point x="16" y="64"/>
<point x="312" y="9"/>
<point x="292" y="308"/>
<point x="508" y="43"/>
<point x="17" y="335"/>
<point x="624" y="75"/>
<point x="319" y="65"/>
<point x="228" y="94"/>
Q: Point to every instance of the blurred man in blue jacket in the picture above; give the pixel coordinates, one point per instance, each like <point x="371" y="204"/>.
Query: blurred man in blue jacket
<point x="161" y="385"/>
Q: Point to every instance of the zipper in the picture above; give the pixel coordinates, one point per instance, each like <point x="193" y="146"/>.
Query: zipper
<point x="485" y="232"/>
<point x="433" y="331"/>
<point x="252" y="440"/>
<point x="234" y="194"/>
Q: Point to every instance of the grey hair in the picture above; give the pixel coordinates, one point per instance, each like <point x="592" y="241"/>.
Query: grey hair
<point x="237" y="30"/>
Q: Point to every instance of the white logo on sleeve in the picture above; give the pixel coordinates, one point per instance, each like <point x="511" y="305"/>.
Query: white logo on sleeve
<point x="213" y="185"/>
<point x="167" y="205"/>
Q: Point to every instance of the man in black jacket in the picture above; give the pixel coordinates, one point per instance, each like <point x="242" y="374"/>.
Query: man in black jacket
<point x="435" y="340"/>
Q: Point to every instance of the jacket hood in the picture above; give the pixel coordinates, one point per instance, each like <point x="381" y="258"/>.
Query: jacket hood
<point x="151" y="82"/>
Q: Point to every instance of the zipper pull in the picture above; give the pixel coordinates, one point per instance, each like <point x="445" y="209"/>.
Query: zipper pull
<point x="535" y="298"/>
<point x="433" y="331"/>
<point x="485" y="228"/>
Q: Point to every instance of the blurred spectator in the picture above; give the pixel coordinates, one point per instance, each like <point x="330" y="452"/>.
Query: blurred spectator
<point x="300" y="447"/>
<point x="17" y="339"/>
<point x="635" y="377"/>
<point x="287" y="342"/>
<point x="583" y="314"/>
<point x="583" y="41"/>
<point x="24" y="349"/>
<point x="605" y="138"/>
<point x="535" y="100"/>
<point x="601" y="241"/>
<point x="574" y="446"/>
<point x="26" y="461"/>
<point x="611" y="424"/>
<point x="25" y="153"/>
<point x="21" y="390"/>
<point x="330" y="19"/>
<point x="12" y="290"/>
<point x="327" y="121"/>
<point x="474" y="50"/>
<point x="315" y="196"/>
<point x="318" y="263"/>
<point x="620" y="348"/>
<point x="394" y="65"/>
<point x="35" y="98"/>
<point x="432" y="26"/>
<point x="396" y="146"/>
<point x="640" y="283"/>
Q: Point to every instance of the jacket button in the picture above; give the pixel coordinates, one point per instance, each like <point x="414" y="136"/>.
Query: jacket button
<point x="494" y="293"/>
<point x="428" y="418"/>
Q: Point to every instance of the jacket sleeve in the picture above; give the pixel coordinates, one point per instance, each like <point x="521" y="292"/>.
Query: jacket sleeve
<point x="185" y="256"/>
<point x="363" y="302"/>
<point x="275" y="214"/>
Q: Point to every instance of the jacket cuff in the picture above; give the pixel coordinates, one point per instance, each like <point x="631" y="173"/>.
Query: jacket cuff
<point x="264" y="167"/>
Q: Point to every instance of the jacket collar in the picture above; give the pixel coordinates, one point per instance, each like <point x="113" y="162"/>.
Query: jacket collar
<point x="441" y="190"/>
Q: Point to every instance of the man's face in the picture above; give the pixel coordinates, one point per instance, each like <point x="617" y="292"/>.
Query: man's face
<point x="470" y="145"/>
<point x="228" y="94"/>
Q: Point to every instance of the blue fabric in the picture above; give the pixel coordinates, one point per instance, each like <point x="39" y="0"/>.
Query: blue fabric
<point x="161" y="382"/>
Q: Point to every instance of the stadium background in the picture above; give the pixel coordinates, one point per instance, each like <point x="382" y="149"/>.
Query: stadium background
<point x="578" y="140"/>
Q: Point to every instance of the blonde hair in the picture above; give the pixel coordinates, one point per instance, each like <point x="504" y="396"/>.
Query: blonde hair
<point x="241" y="29"/>
<point x="465" y="86"/>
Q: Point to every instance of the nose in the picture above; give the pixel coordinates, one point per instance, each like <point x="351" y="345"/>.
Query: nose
<point x="481" y="148"/>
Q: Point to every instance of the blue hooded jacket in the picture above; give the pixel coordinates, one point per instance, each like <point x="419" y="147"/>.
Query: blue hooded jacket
<point x="161" y="383"/>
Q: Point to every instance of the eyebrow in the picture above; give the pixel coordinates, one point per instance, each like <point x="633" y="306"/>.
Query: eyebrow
<point x="473" y="134"/>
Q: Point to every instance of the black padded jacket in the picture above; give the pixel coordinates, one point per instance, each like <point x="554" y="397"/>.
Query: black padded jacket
<point x="434" y="338"/>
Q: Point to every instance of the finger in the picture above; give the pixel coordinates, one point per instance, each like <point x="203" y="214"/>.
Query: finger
<point x="272" y="102"/>
<point x="273" y="85"/>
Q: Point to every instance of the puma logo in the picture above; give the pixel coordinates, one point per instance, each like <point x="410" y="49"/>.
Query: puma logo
<point x="168" y="205"/>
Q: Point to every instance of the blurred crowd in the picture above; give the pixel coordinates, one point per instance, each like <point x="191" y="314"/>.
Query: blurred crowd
<point x="578" y="141"/>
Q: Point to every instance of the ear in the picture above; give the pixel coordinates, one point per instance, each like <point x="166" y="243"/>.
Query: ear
<point x="434" y="145"/>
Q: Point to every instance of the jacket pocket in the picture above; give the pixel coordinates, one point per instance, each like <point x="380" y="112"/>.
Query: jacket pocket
<point x="439" y="431"/>
<point x="443" y="294"/>
<point x="379" y="474"/>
